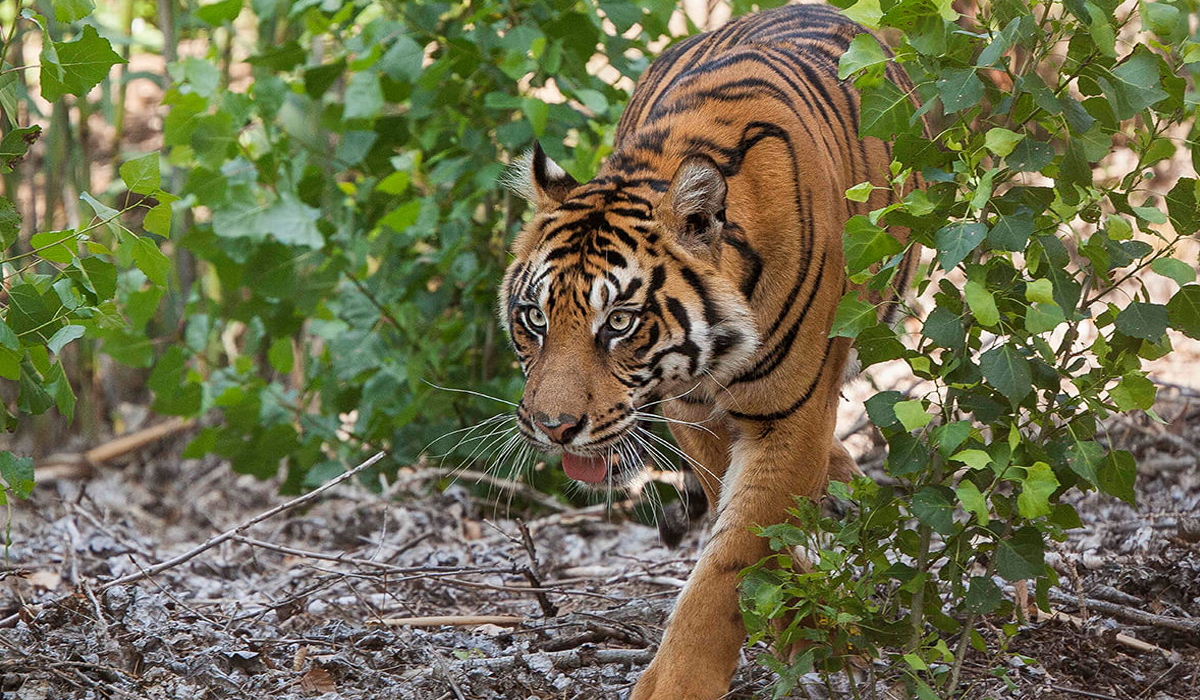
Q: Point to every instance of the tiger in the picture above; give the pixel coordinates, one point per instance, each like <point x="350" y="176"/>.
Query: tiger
<point x="698" y="274"/>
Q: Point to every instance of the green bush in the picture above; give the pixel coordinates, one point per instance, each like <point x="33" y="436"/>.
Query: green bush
<point x="350" y="228"/>
<point x="1042" y="245"/>
<point x="64" y="285"/>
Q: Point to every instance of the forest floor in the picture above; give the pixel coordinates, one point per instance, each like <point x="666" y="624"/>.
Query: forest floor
<point x="326" y="600"/>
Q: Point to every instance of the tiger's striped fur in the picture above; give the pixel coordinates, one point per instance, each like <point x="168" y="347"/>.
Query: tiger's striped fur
<point x="701" y="268"/>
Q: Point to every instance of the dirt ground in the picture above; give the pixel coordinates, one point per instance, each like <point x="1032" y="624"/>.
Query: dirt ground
<point x="324" y="600"/>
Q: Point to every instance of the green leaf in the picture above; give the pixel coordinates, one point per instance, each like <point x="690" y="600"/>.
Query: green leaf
<point x="1007" y="372"/>
<point x="867" y="244"/>
<point x="866" y="12"/>
<point x="402" y="62"/>
<point x="158" y="219"/>
<point x="956" y="241"/>
<point x="83" y="64"/>
<point x="1020" y="555"/>
<point x="15" y="145"/>
<point x="17" y="473"/>
<point x="1133" y="392"/>
<point x="1134" y="84"/>
<point x="864" y="52"/>
<point x="879" y="408"/>
<point x="860" y="192"/>
<point x="983" y="306"/>
<point x="1100" y="29"/>
<point x="934" y="506"/>
<point x="1085" y="457"/>
<point x="1001" y="141"/>
<point x="1168" y="22"/>
<point x="973" y="458"/>
<point x="906" y="454"/>
<point x="55" y="246"/>
<point x="292" y="222"/>
<point x="983" y="595"/>
<point x="959" y="89"/>
<point x="1030" y="156"/>
<point x="280" y="355"/>
<point x="173" y="394"/>
<point x="148" y="258"/>
<point x="853" y="317"/>
<point x="912" y="414"/>
<point x="1117" y="476"/>
<point x="537" y="112"/>
<point x="1036" y="488"/>
<point x="364" y="97"/>
<point x="280" y="58"/>
<point x="1183" y="206"/>
<point x="58" y="387"/>
<point x="318" y="79"/>
<point x="1040" y="290"/>
<point x="33" y="398"/>
<point x="8" y="339"/>
<point x="29" y="316"/>
<point x="1175" y="269"/>
<point x="220" y="12"/>
<point x="10" y="223"/>
<point x="973" y="501"/>
<point x="67" y="11"/>
<point x="944" y="328"/>
<point x="1040" y="318"/>
<point x="212" y="137"/>
<point x="1183" y="311"/>
<point x="141" y="175"/>
<point x="1143" y="320"/>
<point x="886" y="111"/>
<point x="63" y="336"/>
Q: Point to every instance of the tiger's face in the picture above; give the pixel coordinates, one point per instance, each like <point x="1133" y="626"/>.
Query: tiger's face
<point x="614" y="302"/>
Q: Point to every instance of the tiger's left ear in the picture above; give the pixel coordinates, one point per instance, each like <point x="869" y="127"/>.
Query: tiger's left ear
<point x="694" y="205"/>
<point x="539" y="180"/>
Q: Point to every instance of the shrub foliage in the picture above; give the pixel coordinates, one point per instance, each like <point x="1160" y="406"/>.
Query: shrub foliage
<point x="1045" y="223"/>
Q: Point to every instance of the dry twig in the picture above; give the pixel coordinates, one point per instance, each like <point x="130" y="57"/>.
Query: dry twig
<point x="231" y="533"/>
<point x="451" y="621"/>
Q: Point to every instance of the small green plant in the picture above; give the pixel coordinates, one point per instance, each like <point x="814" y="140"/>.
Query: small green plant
<point x="82" y="282"/>
<point x="1043" y="243"/>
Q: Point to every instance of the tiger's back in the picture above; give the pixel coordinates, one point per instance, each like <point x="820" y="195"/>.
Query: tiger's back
<point x="699" y="272"/>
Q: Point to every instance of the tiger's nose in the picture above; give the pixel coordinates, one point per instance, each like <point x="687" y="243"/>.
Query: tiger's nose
<point x="556" y="428"/>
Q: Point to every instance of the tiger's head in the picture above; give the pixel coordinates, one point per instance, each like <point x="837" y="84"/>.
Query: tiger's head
<point x="613" y="302"/>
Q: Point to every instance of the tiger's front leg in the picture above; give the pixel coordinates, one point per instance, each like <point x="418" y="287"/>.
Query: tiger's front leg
<point x="700" y="648"/>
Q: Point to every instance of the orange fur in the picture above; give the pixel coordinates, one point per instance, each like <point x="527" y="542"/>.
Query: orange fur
<point x="717" y="223"/>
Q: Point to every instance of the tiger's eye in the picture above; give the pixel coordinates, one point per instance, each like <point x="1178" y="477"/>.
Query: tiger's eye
<point x="620" y="320"/>
<point x="535" y="317"/>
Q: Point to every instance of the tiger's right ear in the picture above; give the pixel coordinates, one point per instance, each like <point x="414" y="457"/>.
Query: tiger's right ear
<point x="695" y="205"/>
<point x="539" y="180"/>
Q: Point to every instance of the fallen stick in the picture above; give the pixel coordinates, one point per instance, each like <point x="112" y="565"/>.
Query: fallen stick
<point x="564" y="660"/>
<point x="1137" y="617"/>
<point x="451" y="621"/>
<point x="1124" y="639"/>
<point x="75" y="466"/>
<point x="229" y="534"/>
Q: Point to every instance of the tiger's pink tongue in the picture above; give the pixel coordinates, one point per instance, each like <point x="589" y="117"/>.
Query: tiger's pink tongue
<point x="585" y="468"/>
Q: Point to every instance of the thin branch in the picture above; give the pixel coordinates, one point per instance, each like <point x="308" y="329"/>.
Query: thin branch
<point x="229" y="534"/>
